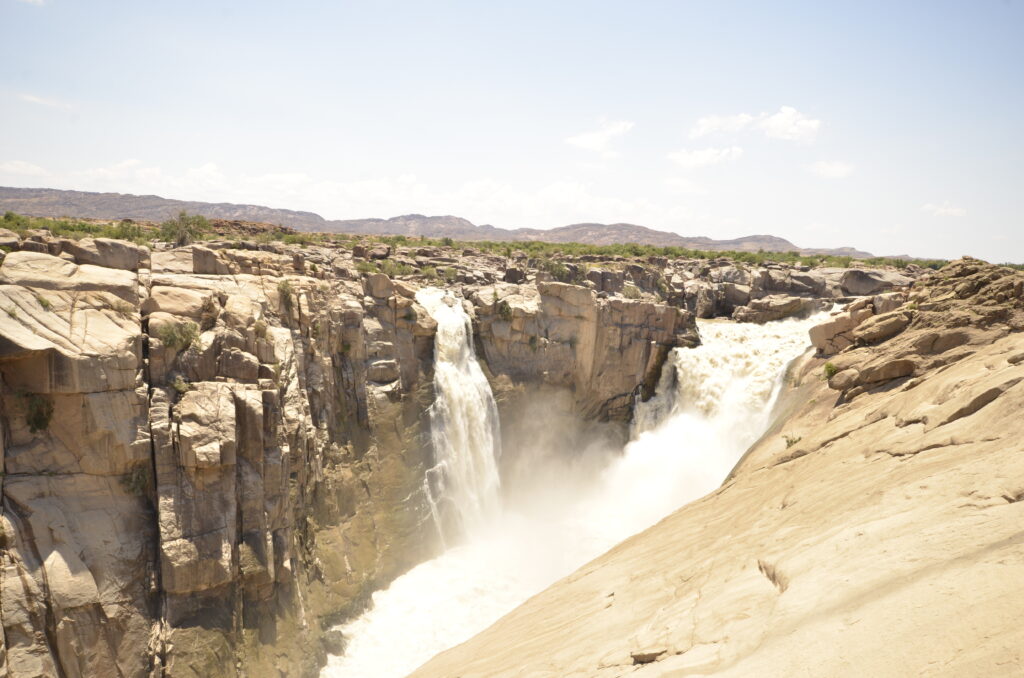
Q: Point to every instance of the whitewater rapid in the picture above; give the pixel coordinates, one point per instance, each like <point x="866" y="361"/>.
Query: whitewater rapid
<point x="711" y="404"/>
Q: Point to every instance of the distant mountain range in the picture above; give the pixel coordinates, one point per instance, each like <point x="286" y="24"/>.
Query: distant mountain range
<point x="48" y="202"/>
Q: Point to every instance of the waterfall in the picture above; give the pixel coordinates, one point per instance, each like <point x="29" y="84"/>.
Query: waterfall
<point x="711" y="404"/>
<point x="463" y="486"/>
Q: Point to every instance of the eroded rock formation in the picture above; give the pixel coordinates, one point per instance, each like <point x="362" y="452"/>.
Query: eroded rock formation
<point x="875" y="530"/>
<point x="211" y="453"/>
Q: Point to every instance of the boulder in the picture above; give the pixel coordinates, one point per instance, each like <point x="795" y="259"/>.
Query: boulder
<point x="859" y="282"/>
<point x="378" y="286"/>
<point x="514" y="274"/>
<point x="178" y="301"/>
<point x="835" y="334"/>
<point x="207" y="262"/>
<point x="881" y="327"/>
<point x="887" y="370"/>
<point x="107" y="253"/>
<point x="47" y="272"/>
<point x="775" y="307"/>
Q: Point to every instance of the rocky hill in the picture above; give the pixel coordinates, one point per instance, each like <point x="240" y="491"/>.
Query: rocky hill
<point x="46" y="202"/>
<point x="212" y="453"/>
<point x="875" y="531"/>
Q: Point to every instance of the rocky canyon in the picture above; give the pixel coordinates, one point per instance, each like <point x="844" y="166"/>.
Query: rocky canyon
<point x="214" y="454"/>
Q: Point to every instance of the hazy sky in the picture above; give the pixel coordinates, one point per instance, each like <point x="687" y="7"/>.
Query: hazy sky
<point x="896" y="127"/>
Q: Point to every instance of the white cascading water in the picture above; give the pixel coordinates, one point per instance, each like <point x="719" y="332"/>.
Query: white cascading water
<point x="463" y="487"/>
<point x="712" y="403"/>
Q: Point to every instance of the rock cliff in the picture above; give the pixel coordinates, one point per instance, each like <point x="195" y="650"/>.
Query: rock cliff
<point x="212" y="453"/>
<point x="875" y="530"/>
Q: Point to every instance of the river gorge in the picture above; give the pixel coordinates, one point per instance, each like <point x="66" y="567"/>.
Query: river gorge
<point x="241" y="458"/>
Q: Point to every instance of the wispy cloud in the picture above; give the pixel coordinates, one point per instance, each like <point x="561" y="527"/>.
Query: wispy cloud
<point x="704" y="157"/>
<point x="21" y="168"/>
<point x="788" y="124"/>
<point x="42" y="101"/>
<point x="33" y="2"/>
<point x="833" y="169"/>
<point x="600" y="140"/>
<point x="944" y="210"/>
<point x="716" y="124"/>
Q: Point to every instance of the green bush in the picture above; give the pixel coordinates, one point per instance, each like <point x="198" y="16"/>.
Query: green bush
<point x="184" y="229"/>
<point x="504" y="311"/>
<point x="180" y="385"/>
<point x="830" y="370"/>
<point x="178" y="336"/>
<point x="393" y="268"/>
<point x="286" y="292"/>
<point x="38" y="411"/>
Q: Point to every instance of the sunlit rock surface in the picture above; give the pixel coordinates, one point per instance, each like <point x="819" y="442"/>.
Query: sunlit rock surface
<point x="212" y="452"/>
<point x="876" y="530"/>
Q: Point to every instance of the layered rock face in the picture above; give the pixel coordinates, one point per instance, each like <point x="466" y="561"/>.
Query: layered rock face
<point x="212" y="453"/>
<point x="875" y="530"/>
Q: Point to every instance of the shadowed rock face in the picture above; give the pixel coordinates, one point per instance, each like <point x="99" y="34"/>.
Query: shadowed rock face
<point x="875" y="530"/>
<point x="210" y="453"/>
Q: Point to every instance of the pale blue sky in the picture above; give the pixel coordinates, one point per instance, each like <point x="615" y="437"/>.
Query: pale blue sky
<point x="896" y="127"/>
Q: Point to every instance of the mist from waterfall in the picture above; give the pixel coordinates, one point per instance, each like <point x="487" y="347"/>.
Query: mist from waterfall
<point x="568" y="506"/>
<point x="463" y="487"/>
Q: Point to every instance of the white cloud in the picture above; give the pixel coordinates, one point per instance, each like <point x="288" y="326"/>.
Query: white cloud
<point x="833" y="169"/>
<point x="21" y="168"/>
<point x="713" y="124"/>
<point x="41" y="101"/>
<point x="705" y="156"/>
<point x="599" y="140"/>
<point x="788" y="123"/>
<point x="944" y="210"/>
<point x="33" y="2"/>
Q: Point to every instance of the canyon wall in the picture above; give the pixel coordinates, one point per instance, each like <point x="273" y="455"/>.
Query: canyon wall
<point x="875" y="529"/>
<point x="212" y="453"/>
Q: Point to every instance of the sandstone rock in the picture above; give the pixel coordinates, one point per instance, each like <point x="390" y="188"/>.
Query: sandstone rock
<point x="47" y="272"/>
<point x="108" y="253"/>
<point x="881" y="327"/>
<point x="378" y="285"/>
<point x="178" y="260"/>
<point x="382" y="371"/>
<point x="836" y="334"/>
<point x="514" y="275"/>
<point x="887" y="370"/>
<point x="775" y="307"/>
<point x="861" y="282"/>
<point x="920" y="526"/>
<point x="9" y="240"/>
<point x="178" y="301"/>
<point x="237" y="364"/>
<point x="206" y="261"/>
<point x="844" y="379"/>
<point x="885" y="303"/>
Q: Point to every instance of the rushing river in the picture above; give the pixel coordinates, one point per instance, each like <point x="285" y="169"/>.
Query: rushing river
<point x="712" y="403"/>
